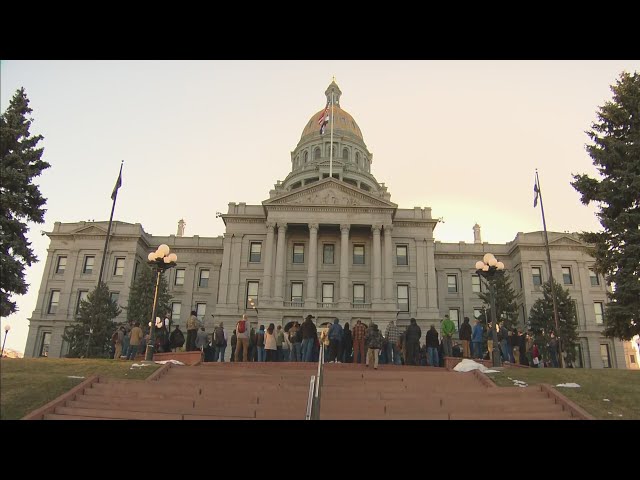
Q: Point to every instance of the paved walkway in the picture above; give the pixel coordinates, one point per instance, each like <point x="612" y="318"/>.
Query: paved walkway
<point x="279" y="391"/>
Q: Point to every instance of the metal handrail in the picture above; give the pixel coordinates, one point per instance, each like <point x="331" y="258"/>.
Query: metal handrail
<point x="310" y="398"/>
<point x="317" y="387"/>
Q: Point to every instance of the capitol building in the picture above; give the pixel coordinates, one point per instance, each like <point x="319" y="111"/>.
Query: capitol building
<point x="327" y="240"/>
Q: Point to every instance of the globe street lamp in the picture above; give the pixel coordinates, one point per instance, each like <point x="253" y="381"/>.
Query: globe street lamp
<point x="159" y="261"/>
<point x="7" y="327"/>
<point x="488" y="268"/>
<point x="252" y="304"/>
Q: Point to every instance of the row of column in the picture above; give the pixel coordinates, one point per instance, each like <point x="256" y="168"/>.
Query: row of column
<point x="312" y="275"/>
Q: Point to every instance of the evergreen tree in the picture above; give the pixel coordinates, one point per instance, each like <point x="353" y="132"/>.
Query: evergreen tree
<point x="20" y="198"/>
<point x="94" y="325"/>
<point x="616" y="154"/>
<point x="140" y="305"/>
<point x="506" y="304"/>
<point x="542" y="321"/>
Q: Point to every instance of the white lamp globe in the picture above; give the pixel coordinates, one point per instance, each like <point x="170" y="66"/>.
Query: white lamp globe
<point x="493" y="262"/>
<point x="164" y="250"/>
<point x="173" y="257"/>
<point x="479" y="265"/>
<point x="487" y="258"/>
<point x="500" y="266"/>
<point x="7" y="327"/>
<point x="152" y="256"/>
<point x="485" y="268"/>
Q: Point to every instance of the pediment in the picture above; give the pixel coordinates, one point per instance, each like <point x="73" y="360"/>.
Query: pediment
<point x="329" y="192"/>
<point x="565" y="240"/>
<point x="90" y="230"/>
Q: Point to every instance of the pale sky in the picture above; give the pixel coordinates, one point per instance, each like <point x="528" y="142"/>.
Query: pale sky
<point x="461" y="137"/>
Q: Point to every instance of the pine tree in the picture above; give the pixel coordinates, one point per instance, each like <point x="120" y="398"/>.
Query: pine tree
<point x="616" y="154"/>
<point x="506" y="304"/>
<point x="140" y="306"/>
<point x="20" y="198"/>
<point x="94" y="325"/>
<point x="542" y="321"/>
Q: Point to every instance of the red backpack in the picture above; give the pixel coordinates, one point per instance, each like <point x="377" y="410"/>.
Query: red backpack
<point x="242" y="326"/>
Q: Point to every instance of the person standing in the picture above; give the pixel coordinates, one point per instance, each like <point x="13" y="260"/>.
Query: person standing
<point x="359" y="332"/>
<point x="431" y="340"/>
<point x="465" y="338"/>
<point x="260" y="344"/>
<point x="335" y="339"/>
<point x="448" y="329"/>
<point x="347" y="344"/>
<point x="220" y="339"/>
<point x="270" y="344"/>
<point x="242" y="334"/>
<point x="134" y="341"/>
<point x="295" y="339"/>
<point x="309" y="335"/>
<point x="234" y="342"/>
<point x="201" y="340"/>
<point x="392" y="334"/>
<point x="553" y="350"/>
<point x="119" y="340"/>
<point x="373" y="340"/>
<point x="412" y="339"/>
<point x="279" y="344"/>
<point x="192" y="331"/>
<point x="476" y="339"/>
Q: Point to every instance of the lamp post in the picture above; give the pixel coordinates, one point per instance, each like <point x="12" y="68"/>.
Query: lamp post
<point x="160" y="260"/>
<point x="7" y="327"/>
<point x="488" y="268"/>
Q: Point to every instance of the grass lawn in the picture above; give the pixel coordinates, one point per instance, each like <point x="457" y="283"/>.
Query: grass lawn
<point x="621" y="387"/>
<point x="29" y="383"/>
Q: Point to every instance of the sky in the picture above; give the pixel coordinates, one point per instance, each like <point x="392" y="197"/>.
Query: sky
<point x="461" y="137"/>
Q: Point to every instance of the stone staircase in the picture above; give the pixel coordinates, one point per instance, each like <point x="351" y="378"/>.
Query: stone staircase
<point x="279" y="391"/>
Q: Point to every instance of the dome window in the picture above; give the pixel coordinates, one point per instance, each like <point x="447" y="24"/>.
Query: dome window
<point x="306" y="157"/>
<point x="316" y="153"/>
<point x="345" y="154"/>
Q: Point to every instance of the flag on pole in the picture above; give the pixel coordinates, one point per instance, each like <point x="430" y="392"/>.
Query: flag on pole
<point x="323" y="127"/>
<point x="537" y="194"/>
<point x="324" y="119"/>
<point x="118" y="185"/>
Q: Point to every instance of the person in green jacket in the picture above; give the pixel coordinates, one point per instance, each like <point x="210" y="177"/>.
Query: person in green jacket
<point x="448" y="329"/>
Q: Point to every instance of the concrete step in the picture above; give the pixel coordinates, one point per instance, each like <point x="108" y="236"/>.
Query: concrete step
<point x="510" y="416"/>
<point x="55" y="416"/>
<point x="119" y="414"/>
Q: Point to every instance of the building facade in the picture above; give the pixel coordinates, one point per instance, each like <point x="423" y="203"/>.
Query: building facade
<point x="327" y="241"/>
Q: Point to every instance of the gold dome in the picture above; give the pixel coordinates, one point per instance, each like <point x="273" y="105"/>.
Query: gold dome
<point x="344" y="123"/>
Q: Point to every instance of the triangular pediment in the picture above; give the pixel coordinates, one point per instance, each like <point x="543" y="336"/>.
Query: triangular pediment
<point x="330" y="192"/>
<point x="90" y="230"/>
<point x="565" y="240"/>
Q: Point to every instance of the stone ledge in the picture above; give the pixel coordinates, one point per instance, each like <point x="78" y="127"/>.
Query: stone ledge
<point x="451" y="362"/>
<point x="188" y="358"/>
<point x="576" y="411"/>
<point x="39" y="413"/>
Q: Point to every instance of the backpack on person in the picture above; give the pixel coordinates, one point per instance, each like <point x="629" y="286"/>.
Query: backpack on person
<point x="176" y="339"/>
<point x="242" y="326"/>
<point x="219" y="334"/>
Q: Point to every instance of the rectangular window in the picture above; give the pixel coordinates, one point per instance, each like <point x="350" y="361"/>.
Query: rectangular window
<point x="82" y="296"/>
<point x="298" y="253"/>
<point x="203" y="281"/>
<point x="118" y="270"/>
<point x="327" y="293"/>
<point x="632" y="358"/>
<point x="575" y="310"/>
<point x="176" y="311"/>
<point x="536" y="275"/>
<point x="44" y="346"/>
<point x="296" y="292"/>
<point x="252" y="294"/>
<point x="62" y="264"/>
<point x="454" y="315"/>
<point x="114" y="296"/>
<point x="593" y="276"/>
<point x="327" y="253"/>
<point x="477" y="312"/>
<point x="88" y="264"/>
<point x="255" y="252"/>
<point x="401" y="255"/>
<point x="54" y="299"/>
<point x="403" y="297"/>
<point x="475" y="284"/>
<point x="358" y="293"/>
<point x="520" y="278"/>
<point x="135" y="269"/>
<point x="179" y="276"/>
<point x="358" y="254"/>
<point x="522" y="312"/>
<point x="567" y="279"/>
<point x="604" y="355"/>
<point x="452" y="283"/>
<point x="201" y="309"/>
<point x="599" y="310"/>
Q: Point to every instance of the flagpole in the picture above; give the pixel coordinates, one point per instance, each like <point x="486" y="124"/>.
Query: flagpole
<point x="331" y="144"/>
<point x="106" y="241"/>
<point x="553" y="290"/>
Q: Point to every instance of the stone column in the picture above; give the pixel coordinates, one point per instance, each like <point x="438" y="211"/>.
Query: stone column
<point x="312" y="275"/>
<point x="344" y="264"/>
<point x="421" y="282"/>
<point x="432" y="288"/>
<point x="268" y="261"/>
<point x="388" y="263"/>
<point x="224" y="269"/>
<point x="234" y="275"/>
<point x="281" y="259"/>
<point x="377" y="263"/>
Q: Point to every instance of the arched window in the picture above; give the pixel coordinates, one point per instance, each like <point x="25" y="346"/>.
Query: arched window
<point x="357" y="158"/>
<point x="306" y="157"/>
<point x="296" y="163"/>
<point x="345" y="154"/>
<point x="316" y="153"/>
